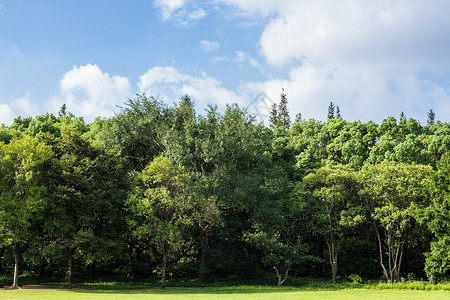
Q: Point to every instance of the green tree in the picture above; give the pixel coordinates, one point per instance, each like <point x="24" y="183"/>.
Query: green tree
<point x="159" y="203"/>
<point x="284" y="119"/>
<point x="273" y="117"/>
<point x="87" y="185"/>
<point x="437" y="218"/>
<point x="431" y="116"/>
<point x="333" y="194"/>
<point x="22" y="192"/>
<point x="331" y="109"/>
<point x="393" y="192"/>
<point x="338" y="113"/>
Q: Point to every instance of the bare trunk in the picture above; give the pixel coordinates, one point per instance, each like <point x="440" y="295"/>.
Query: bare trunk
<point x="333" y="255"/>
<point x="16" y="251"/>
<point x="281" y="280"/>
<point x="164" y="268"/>
<point x="380" y="247"/>
<point x="203" y="242"/>
<point x="71" y="266"/>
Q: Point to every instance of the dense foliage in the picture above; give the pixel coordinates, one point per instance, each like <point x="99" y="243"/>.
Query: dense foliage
<point x="161" y="191"/>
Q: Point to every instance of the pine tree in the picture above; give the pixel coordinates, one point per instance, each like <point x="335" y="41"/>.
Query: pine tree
<point x="273" y="118"/>
<point x="186" y="100"/>
<point x="331" y="111"/>
<point x="298" y="118"/>
<point x="338" y="113"/>
<point x="283" y="114"/>
<point x="431" y="117"/>
<point x="62" y="111"/>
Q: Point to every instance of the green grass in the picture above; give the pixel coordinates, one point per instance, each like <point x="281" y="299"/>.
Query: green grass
<point x="234" y="293"/>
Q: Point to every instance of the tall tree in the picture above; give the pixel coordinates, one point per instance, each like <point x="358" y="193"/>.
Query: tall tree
<point x="159" y="204"/>
<point x="22" y="192"/>
<point x="431" y="115"/>
<point x="392" y="193"/>
<point x="86" y="186"/>
<point x="437" y="218"/>
<point x="333" y="192"/>
<point x="331" y="109"/>
<point x="284" y="119"/>
<point x="338" y="113"/>
<point x="273" y="117"/>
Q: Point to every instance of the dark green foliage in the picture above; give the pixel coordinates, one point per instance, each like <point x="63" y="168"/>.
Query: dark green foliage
<point x="161" y="191"/>
<point x="331" y="109"/>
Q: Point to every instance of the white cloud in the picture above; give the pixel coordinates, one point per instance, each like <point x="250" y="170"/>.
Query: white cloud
<point x="403" y="33"/>
<point x="168" y="7"/>
<point x="208" y="45"/>
<point x="6" y="114"/>
<point x="170" y="84"/>
<point x="183" y="12"/>
<point x="25" y="105"/>
<point x="365" y="56"/>
<point x="361" y="93"/>
<point x="196" y="14"/>
<point x="89" y="92"/>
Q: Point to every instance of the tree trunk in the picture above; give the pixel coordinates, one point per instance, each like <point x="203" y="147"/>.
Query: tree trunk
<point x="92" y="270"/>
<point x="42" y="268"/>
<point x="203" y="241"/>
<point x="16" y="251"/>
<point x="281" y="280"/>
<point x="2" y="251"/>
<point x="333" y="254"/>
<point x="380" y="248"/>
<point x="164" y="268"/>
<point x="71" y="266"/>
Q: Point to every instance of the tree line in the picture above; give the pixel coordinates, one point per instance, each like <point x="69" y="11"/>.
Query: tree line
<point x="161" y="190"/>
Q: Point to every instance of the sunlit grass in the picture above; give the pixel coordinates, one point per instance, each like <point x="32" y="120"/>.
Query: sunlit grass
<point x="235" y="293"/>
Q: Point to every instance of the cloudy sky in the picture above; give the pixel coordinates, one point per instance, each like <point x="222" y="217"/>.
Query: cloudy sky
<point x="373" y="58"/>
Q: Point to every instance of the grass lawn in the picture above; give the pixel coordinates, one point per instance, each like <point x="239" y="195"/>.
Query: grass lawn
<point x="235" y="293"/>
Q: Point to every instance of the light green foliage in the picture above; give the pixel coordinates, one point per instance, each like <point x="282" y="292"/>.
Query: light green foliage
<point x="437" y="218"/>
<point x="159" y="204"/>
<point x="22" y="191"/>
<point x="333" y="193"/>
<point x="393" y="193"/>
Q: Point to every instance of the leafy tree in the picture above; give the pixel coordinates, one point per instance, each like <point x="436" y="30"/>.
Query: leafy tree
<point x="392" y="193"/>
<point x="159" y="203"/>
<point x="333" y="192"/>
<point x="437" y="218"/>
<point x="137" y="131"/>
<point x="22" y="192"/>
<point x="86" y="185"/>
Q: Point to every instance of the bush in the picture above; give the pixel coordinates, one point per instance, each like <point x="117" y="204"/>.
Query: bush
<point x="354" y="278"/>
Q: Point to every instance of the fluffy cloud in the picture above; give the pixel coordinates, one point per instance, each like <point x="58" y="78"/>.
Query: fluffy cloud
<point x="402" y="33"/>
<point x="168" y="7"/>
<point x="89" y="92"/>
<point x="365" y="94"/>
<point x="180" y="11"/>
<point x="364" y="56"/>
<point x="169" y="84"/>
<point x="6" y="114"/>
<point x="208" y="45"/>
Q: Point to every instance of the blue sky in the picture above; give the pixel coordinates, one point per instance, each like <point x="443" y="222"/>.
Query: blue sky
<point x="372" y="58"/>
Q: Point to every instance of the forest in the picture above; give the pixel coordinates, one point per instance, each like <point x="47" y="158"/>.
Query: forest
<point x="160" y="191"/>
